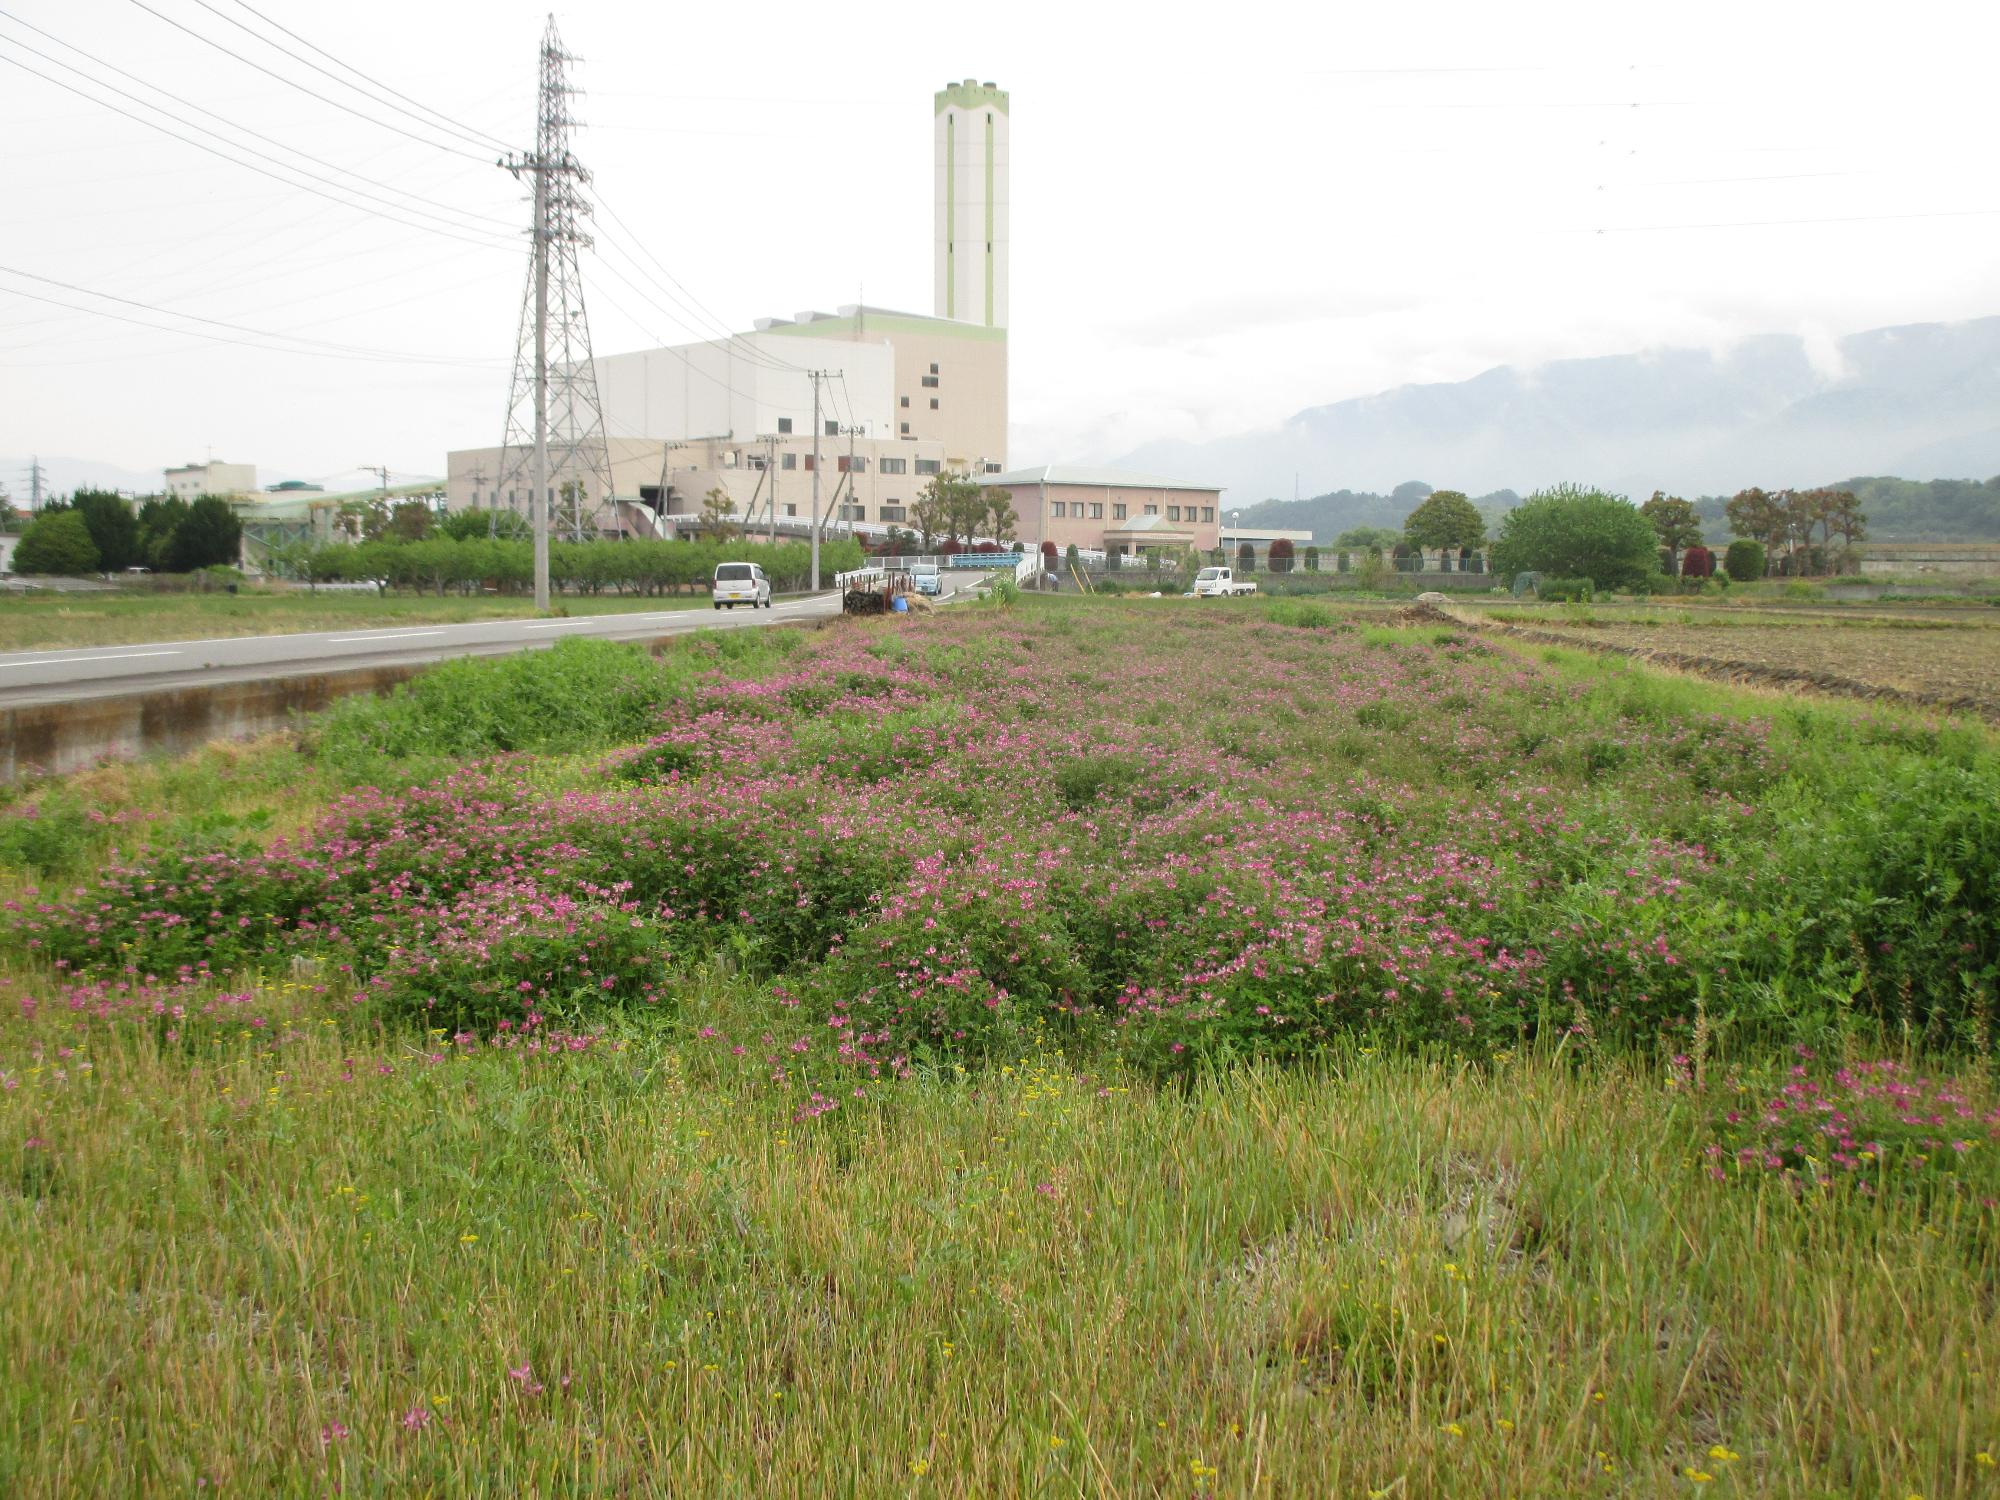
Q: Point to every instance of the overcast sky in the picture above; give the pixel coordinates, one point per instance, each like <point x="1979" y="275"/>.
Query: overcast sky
<point x="1214" y="225"/>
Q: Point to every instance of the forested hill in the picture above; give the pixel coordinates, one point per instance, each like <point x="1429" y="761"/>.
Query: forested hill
<point x="1906" y="510"/>
<point x="1327" y="516"/>
<point x="1898" y="510"/>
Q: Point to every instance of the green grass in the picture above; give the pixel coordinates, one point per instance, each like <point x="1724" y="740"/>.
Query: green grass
<point x="1386" y="1274"/>
<point x="286" y="1241"/>
<point x="52" y="622"/>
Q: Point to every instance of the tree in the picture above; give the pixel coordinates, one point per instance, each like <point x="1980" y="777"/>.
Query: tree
<point x="410" y="521"/>
<point x="717" y="513"/>
<point x="1445" y="522"/>
<point x="364" y="520"/>
<point x="209" y="536"/>
<point x="1281" y="555"/>
<point x="1744" y="561"/>
<point x="1846" y="519"/>
<point x="56" y="543"/>
<point x="1676" y="523"/>
<point x="1571" y="531"/>
<point x="1312" y="559"/>
<point x="1762" y="518"/>
<point x="1698" y="562"/>
<point x="950" y="505"/>
<point x="158" y="520"/>
<point x="1000" y="518"/>
<point x="470" y="525"/>
<point x="113" y="528"/>
<point x="927" y="516"/>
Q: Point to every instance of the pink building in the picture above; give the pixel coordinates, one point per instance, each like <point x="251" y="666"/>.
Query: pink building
<point x="1110" y="510"/>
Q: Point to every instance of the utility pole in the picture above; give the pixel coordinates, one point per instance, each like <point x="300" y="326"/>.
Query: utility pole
<point x="850" y="477"/>
<point x="817" y="377"/>
<point x="771" y="468"/>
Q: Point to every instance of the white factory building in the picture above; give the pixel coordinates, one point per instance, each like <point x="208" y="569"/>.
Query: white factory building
<point x="914" y="394"/>
<point x="190" y="481"/>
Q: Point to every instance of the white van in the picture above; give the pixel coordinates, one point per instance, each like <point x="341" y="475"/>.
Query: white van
<point x="741" y="583"/>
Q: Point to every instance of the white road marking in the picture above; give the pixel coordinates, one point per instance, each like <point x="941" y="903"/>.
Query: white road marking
<point x="62" y="661"/>
<point x="396" y="635"/>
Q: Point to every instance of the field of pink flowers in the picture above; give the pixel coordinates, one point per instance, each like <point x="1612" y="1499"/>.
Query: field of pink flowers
<point x="998" y="1033"/>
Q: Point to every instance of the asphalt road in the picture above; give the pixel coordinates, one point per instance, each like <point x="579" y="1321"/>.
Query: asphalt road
<point x="32" y="677"/>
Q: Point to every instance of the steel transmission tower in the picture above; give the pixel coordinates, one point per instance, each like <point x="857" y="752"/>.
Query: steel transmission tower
<point x="555" y="425"/>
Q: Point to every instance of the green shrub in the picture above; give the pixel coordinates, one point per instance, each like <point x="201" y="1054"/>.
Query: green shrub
<point x="57" y="543"/>
<point x="1566" y="590"/>
<point x="1744" y="561"/>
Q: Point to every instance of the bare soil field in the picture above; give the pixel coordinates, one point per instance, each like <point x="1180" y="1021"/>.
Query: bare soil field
<point x="1946" y="664"/>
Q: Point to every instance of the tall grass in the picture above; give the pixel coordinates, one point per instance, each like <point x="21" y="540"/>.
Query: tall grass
<point x="284" y="1264"/>
<point x="765" y="1109"/>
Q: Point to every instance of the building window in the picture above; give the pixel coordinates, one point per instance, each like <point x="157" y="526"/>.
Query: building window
<point x="934" y="405"/>
<point x="1208" y="513"/>
<point x="931" y="381"/>
<point x="832" y="428"/>
<point x="906" y="430"/>
<point x="784" y="424"/>
<point x="853" y="512"/>
<point x="1097" y="510"/>
<point x="1152" y="510"/>
<point x="927" y="466"/>
<point x="1056" y="509"/>
<point x="934" y="370"/>
<point x="906" y="403"/>
<point x="895" y="466"/>
<point x="892" y="512"/>
<point x="856" y="465"/>
<point x="1173" y="512"/>
<point x="788" y="460"/>
<point x="992" y="468"/>
<point x="791" y="510"/>
<point x="809" y="463"/>
<point x="1118" y="510"/>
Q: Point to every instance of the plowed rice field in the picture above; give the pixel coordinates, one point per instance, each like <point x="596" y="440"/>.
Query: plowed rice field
<point x="1942" y="664"/>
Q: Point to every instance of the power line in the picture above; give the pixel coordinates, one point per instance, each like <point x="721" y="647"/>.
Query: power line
<point x="343" y="351"/>
<point x="302" y="88"/>
<point x="470" y="132"/>
<point x="433" y="228"/>
<point x="761" y="355"/>
<point x="1949" y="213"/>
<point x="285" y="226"/>
<point x="665" y="347"/>
<point x="747" y="351"/>
<point x="424" y="205"/>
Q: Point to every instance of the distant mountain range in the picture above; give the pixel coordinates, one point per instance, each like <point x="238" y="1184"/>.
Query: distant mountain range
<point x="1921" y="401"/>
